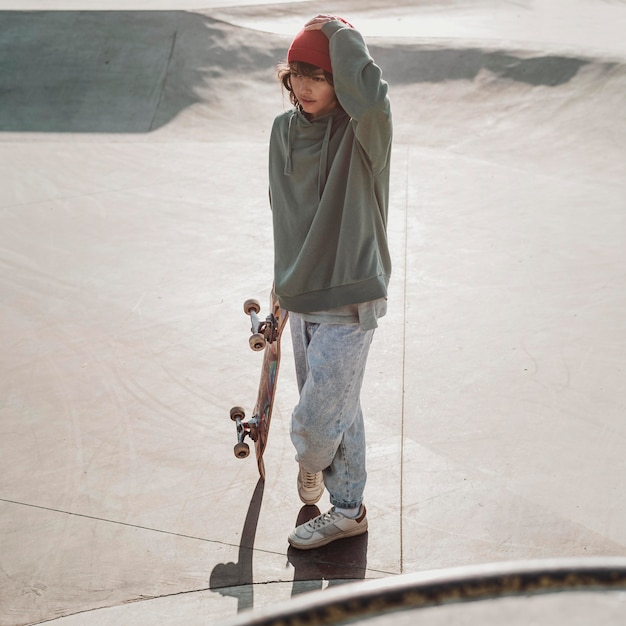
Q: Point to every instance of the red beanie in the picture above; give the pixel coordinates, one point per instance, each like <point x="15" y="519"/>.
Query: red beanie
<point x="310" y="46"/>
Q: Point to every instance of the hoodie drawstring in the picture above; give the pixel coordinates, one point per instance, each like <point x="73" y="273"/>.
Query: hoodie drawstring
<point x="324" y="151"/>
<point x="321" y="180"/>
<point x="290" y="139"/>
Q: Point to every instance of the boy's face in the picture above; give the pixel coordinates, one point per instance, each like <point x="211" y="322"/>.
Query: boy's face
<point x="314" y="92"/>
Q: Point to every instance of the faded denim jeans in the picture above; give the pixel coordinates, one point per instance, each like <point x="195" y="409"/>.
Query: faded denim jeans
<point x="327" y="426"/>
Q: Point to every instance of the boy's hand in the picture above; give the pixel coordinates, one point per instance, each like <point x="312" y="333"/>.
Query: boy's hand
<point x="317" y="22"/>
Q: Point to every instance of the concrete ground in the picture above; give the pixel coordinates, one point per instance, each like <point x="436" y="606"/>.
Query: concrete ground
<point x="134" y="222"/>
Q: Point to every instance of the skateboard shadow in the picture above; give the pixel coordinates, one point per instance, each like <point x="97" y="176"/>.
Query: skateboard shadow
<point x="235" y="579"/>
<point x="339" y="562"/>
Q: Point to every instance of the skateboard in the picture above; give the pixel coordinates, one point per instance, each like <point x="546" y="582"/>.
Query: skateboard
<point x="266" y="337"/>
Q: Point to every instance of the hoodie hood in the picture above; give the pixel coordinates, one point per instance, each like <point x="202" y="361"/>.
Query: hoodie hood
<point x="302" y="130"/>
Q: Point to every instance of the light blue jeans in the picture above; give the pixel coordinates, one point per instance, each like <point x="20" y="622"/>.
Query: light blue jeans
<point x="327" y="426"/>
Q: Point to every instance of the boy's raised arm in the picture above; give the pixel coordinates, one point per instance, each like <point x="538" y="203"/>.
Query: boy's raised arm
<point x="360" y="88"/>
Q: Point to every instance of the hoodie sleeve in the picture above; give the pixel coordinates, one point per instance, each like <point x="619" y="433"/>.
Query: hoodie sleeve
<point x="361" y="91"/>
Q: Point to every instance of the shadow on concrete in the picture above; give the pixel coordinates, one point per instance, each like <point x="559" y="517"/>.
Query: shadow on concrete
<point x="235" y="579"/>
<point x="339" y="562"/>
<point x="336" y="563"/>
<point x="117" y="71"/>
<point x="419" y="64"/>
<point x="136" y="71"/>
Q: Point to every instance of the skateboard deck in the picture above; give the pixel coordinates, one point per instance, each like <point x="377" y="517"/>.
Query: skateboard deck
<point x="265" y="336"/>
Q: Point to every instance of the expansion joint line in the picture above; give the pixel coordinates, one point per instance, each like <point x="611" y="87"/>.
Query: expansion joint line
<point x="164" y="83"/>
<point x="404" y="327"/>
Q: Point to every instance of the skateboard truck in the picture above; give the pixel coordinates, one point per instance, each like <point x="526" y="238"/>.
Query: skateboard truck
<point x="244" y="429"/>
<point x="263" y="333"/>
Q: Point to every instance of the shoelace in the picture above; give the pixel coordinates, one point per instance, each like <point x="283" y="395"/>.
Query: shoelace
<point x="325" y="518"/>
<point x="310" y="480"/>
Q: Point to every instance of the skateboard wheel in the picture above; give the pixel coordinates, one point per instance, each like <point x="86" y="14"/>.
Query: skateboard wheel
<point x="242" y="450"/>
<point x="251" y="305"/>
<point x="257" y="342"/>
<point x="237" y="412"/>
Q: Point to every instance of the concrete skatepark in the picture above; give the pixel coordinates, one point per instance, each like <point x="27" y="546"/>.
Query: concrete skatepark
<point x="134" y="222"/>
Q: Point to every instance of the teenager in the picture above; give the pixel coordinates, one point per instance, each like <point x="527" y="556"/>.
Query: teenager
<point x="329" y="188"/>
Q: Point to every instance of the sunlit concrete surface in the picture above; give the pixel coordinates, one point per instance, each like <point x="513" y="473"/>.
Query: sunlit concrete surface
<point x="134" y="222"/>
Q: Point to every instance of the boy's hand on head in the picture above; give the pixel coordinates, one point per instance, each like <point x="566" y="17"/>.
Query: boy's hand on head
<point x="317" y="22"/>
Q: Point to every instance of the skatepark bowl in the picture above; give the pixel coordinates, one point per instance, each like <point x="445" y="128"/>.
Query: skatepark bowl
<point x="557" y="592"/>
<point x="134" y="223"/>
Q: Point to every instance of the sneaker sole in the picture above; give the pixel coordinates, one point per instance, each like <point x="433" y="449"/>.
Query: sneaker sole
<point x="326" y="540"/>
<point x="310" y="501"/>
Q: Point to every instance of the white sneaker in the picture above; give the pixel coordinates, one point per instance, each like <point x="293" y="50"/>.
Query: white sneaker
<point x="310" y="486"/>
<point x="327" y="527"/>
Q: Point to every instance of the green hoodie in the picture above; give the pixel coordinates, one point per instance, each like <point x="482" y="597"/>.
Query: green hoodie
<point x="329" y="188"/>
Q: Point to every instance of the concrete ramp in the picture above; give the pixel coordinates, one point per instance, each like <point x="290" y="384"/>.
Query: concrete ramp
<point x="121" y="71"/>
<point x="204" y="78"/>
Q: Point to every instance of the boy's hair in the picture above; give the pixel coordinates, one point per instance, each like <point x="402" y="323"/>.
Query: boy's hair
<point x="285" y="70"/>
